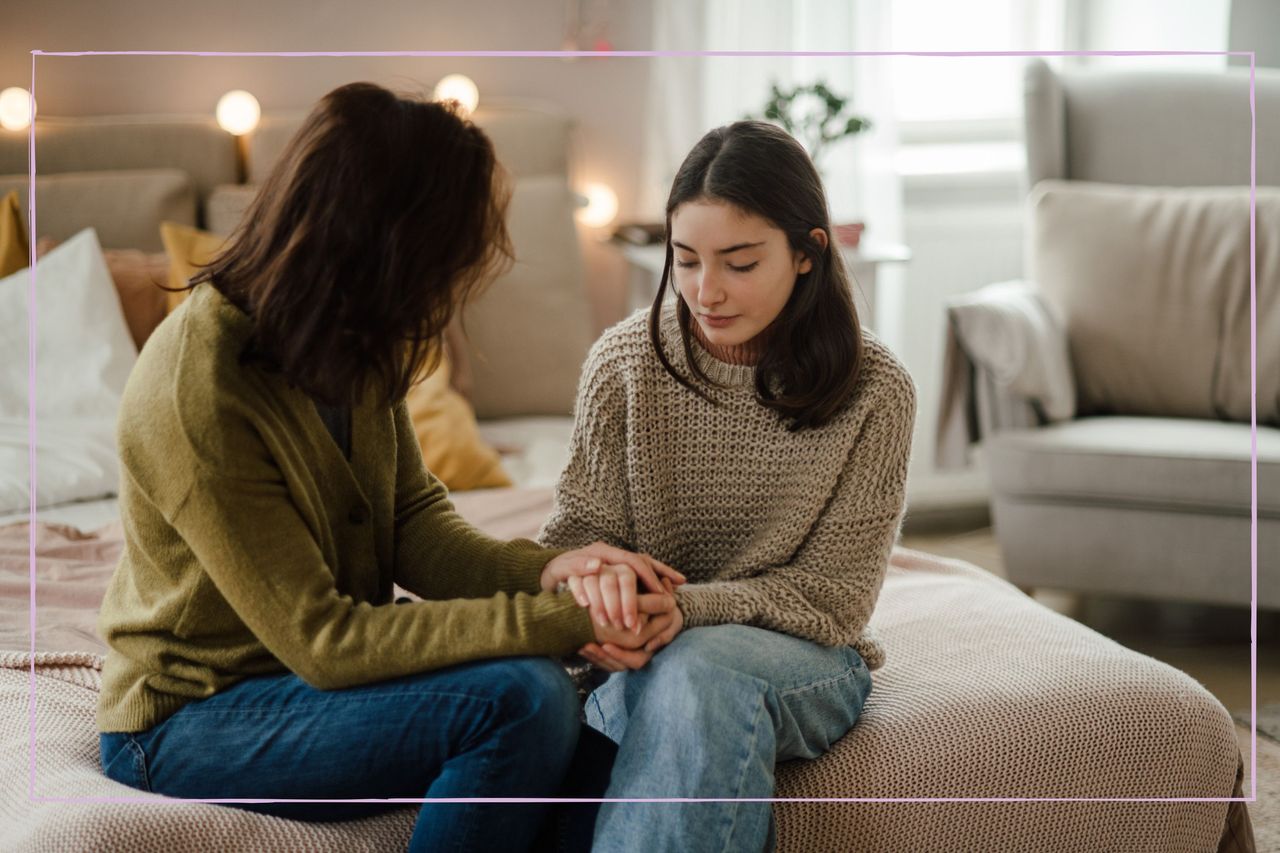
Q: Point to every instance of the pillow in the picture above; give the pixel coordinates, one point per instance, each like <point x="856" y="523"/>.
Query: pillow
<point x="83" y="357"/>
<point x="189" y="250"/>
<point x="1152" y="284"/>
<point x="455" y="348"/>
<point x="529" y="331"/>
<point x="1231" y="391"/>
<point x="450" y="440"/>
<point x="14" y="248"/>
<point x="124" y="206"/>
<point x="137" y="276"/>
<point x="226" y="206"/>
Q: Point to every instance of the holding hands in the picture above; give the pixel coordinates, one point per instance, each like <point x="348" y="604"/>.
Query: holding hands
<point x="630" y="625"/>
<point x="633" y="652"/>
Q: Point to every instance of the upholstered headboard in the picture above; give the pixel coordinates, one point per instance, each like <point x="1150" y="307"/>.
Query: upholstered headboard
<point x="528" y="333"/>
<point x="122" y="175"/>
<point x="1154" y="128"/>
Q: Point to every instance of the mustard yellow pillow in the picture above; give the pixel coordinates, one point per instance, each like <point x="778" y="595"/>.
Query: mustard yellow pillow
<point x="189" y="249"/>
<point x="445" y="425"/>
<point x="14" y="248"/>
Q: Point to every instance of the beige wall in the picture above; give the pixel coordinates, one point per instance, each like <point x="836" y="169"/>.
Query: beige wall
<point x="606" y="96"/>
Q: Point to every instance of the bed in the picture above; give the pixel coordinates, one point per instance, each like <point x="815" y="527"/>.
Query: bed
<point x="985" y="693"/>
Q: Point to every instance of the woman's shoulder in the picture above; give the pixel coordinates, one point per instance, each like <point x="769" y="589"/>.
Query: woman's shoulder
<point x="199" y="332"/>
<point x="189" y="367"/>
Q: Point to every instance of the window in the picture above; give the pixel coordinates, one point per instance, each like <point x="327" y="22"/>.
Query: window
<point x="966" y="98"/>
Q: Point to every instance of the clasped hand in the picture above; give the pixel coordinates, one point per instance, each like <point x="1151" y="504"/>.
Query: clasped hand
<point x="629" y="625"/>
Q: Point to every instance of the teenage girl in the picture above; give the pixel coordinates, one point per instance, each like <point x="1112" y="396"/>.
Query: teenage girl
<point x="749" y="432"/>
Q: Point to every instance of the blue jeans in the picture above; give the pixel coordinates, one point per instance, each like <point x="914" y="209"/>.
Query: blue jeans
<point x="499" y="728"/>
<point x="710" y="716"/>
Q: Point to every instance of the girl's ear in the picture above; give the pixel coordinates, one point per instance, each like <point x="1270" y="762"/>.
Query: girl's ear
<point x="819" y="236"/>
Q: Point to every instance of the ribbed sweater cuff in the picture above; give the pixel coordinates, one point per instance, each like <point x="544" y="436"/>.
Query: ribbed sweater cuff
<point x="519" y="565"/>
<point x="700" y="605"/>
<point x="564" y="624"/>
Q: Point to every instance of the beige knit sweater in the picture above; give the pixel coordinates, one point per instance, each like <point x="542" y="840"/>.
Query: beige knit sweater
<point x="781" y="530"/>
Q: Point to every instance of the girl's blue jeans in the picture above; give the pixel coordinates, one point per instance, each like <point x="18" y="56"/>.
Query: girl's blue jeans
<point x="710" y="716"/>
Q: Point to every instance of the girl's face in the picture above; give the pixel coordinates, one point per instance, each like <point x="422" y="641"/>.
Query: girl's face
<point x="734" y="269"/>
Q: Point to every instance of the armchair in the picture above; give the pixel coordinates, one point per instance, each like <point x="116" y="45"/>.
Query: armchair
<point x="1110" y="392"/>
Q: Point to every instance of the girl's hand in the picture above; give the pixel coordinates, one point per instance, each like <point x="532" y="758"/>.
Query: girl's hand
<point x="677" y="625"/>
<point x="647" y="569"/>
<point x="616" y="657"/>
<point x="628" y="642"/>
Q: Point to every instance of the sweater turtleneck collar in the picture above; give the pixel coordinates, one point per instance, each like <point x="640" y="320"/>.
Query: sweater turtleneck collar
<point x="732" y="367"/>
<point x="744" y="354"/>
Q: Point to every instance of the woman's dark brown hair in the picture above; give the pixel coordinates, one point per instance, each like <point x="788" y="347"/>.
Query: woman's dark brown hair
<point x="811" y="360"/>
<point x="383" y="214"/>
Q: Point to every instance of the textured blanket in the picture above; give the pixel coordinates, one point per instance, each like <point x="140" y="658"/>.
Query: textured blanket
<point x="985" y="693"/>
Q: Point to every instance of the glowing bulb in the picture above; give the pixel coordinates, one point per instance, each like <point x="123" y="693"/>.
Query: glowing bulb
<point x="16" y="108"/>
<point x="601" y="208"/>
<point x="460" y="88"/>
<point x="238" y="112"/>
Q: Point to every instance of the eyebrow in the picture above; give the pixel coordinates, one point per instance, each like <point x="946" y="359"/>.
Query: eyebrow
<point x="727" y="251"/>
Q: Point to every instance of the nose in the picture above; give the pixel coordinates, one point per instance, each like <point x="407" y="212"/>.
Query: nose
<point x="710" y="290"/>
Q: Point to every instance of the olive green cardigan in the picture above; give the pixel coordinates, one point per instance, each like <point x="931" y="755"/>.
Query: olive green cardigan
<point x="253" y="546"/>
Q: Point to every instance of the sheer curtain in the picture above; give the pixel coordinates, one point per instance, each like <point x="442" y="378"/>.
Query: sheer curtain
<point x="947" y="133"/>
<point x="690" y="95"/>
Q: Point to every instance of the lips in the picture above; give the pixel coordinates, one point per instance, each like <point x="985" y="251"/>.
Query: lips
<point x="717" y="320"/>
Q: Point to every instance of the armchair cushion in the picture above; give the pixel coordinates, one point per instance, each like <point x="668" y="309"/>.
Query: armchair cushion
<point x="1176" y="464"/>
<point x="1153" y="286"/>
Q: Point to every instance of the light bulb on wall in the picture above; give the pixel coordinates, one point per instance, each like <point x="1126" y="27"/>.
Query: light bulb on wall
<point x="16" y="108"/>
<point x="460" y="88"/>
<point x="601" y="206"/>
<point x="238" y="112"/>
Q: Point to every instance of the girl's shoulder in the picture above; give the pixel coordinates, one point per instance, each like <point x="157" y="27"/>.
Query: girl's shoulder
<point x="623" y="348"/>
<point x="884" y="379"/>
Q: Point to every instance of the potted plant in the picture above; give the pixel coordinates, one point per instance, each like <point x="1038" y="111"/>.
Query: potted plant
<point x="818" y="118"/>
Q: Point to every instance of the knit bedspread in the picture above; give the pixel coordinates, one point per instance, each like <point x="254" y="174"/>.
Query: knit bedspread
<point x="984" y="693"/>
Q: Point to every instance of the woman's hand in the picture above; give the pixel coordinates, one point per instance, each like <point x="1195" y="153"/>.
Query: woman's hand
<point x="616" y="657"/>
<point x="604" y="579"/>
<point x="610" y="595"/>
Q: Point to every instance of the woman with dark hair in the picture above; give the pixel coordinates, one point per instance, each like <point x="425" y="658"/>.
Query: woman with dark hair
<point x="273" y="492"/>
<point x="755" y="436"/>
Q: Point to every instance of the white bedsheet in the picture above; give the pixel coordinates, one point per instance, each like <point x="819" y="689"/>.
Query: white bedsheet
<point x="534" y="450"/>
<point x="85" y="515"/>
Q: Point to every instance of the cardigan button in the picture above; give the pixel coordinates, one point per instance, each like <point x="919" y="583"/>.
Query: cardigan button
<point x="358" y="515"/>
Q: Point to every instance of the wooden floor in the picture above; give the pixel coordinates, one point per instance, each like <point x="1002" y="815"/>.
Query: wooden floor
<point x="1209" y="643"/>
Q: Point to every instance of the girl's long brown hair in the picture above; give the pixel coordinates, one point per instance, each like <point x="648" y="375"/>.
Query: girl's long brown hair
<point x="383" y="213"/>
<point x="814" y="353"/>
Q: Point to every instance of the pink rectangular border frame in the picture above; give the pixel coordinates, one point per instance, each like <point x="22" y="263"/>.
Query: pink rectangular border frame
<point x="1253" y="414"/>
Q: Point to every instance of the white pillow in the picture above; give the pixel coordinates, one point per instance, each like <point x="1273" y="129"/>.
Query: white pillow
<point x="83" y="357"/>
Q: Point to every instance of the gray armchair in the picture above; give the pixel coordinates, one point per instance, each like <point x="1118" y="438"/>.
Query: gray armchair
<point x="1110" y="391"/>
